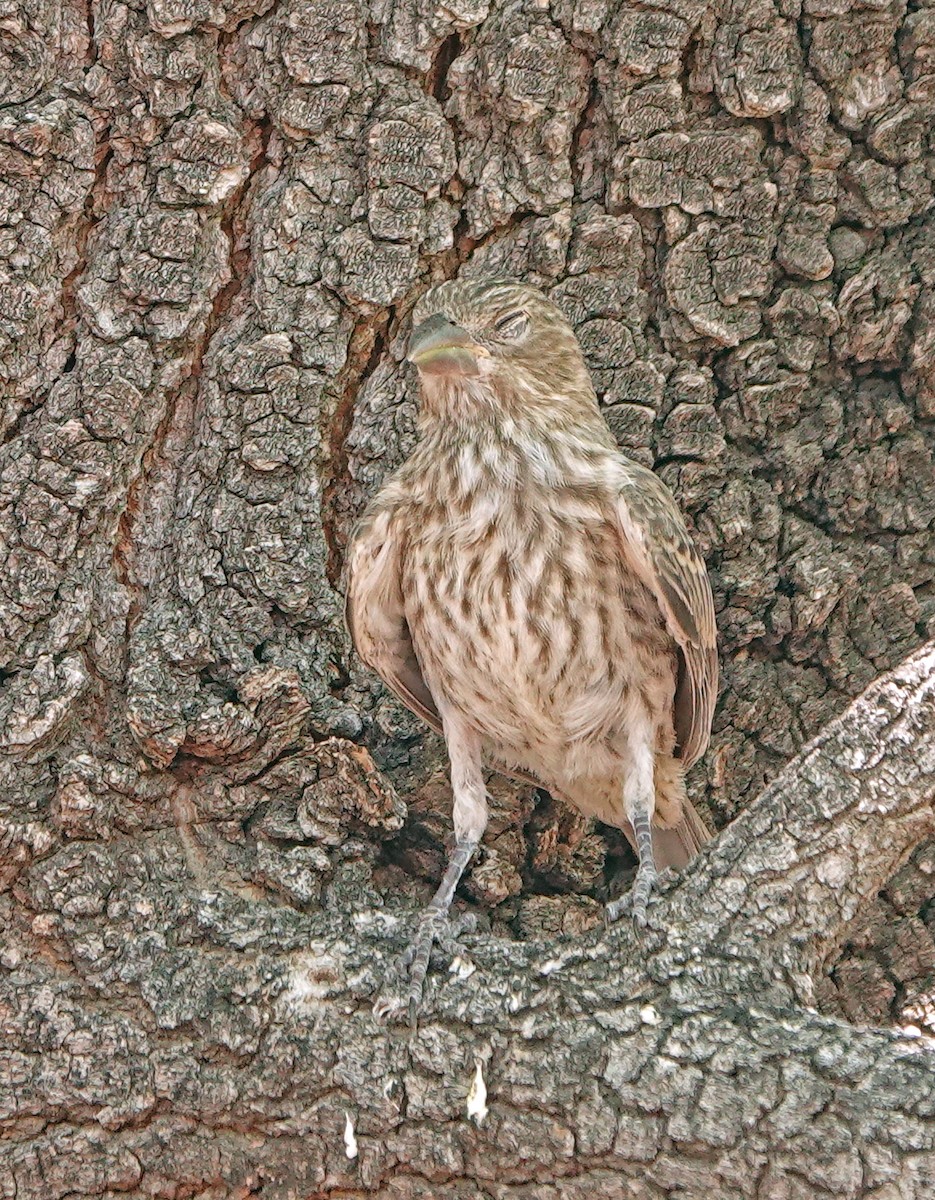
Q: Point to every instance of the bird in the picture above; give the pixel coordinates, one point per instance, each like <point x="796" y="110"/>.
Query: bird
<point x="533" y="594"/>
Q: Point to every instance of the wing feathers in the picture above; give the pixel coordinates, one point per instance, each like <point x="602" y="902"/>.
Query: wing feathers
<point x="658" y="547"/>
<point x="375" y="614"/>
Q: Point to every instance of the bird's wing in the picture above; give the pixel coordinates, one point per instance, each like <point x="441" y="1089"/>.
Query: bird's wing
<point x="658" y="547"/>
<point x="375" y="614"/>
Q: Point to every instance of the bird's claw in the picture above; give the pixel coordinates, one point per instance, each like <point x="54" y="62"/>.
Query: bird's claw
<point x="635" y="901"/>
<point x="403" y="988"/>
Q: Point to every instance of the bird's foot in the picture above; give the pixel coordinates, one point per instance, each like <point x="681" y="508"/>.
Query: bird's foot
<point x="636" y="900"/>
<point x="402" y="991"/>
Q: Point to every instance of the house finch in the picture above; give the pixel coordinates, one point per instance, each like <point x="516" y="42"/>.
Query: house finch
<point x="532" y="593"/>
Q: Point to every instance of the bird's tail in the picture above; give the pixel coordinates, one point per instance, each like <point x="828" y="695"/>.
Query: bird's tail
<point x="677" y="846"/>
<point x="678" y="830"/>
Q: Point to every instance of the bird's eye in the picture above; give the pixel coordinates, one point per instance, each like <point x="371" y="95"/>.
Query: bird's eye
<point x="512" y="324"/>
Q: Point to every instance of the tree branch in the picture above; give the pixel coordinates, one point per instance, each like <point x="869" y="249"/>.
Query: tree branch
<point x="786" y="878"/>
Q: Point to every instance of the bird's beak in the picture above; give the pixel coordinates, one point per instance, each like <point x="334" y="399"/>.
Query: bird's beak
<point x="437" y="347"/>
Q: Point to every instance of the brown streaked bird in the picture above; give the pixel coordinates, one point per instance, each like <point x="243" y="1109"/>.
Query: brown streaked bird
<point x="533" y="594"/>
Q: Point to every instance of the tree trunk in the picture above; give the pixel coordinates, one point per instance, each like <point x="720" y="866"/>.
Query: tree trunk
<point x="215" y="826"/>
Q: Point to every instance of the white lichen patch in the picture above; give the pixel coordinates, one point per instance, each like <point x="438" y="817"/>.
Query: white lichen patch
<point x="350" y="1140"/>
<point x="833" y="870"/>
<point x="461" y="968"/>
<point x="477" y="1096"/>
<point x="374" y="919"/>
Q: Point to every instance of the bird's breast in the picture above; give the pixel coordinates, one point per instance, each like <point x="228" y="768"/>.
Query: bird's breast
<point x="526" y="620"/>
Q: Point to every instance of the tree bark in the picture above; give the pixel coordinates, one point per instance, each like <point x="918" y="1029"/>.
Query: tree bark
<point x="215" y="827"/>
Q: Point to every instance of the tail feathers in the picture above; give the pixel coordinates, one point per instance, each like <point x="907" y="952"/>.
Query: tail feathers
<point x="677" y="846"/>
<point x="678" y="830"/>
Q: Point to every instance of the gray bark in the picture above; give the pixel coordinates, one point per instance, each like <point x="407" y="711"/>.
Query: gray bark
<point x="215" y="826"/>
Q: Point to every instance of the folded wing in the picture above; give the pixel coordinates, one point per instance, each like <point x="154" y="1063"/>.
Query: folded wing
<point x="659" y="549"/>
<point x="375" y="613"/>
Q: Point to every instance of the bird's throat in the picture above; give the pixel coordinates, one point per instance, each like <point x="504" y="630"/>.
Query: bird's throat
<point x="457" y="400"/>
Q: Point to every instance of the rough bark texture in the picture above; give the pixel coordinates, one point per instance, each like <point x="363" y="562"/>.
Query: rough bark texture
<point x="215" y="219"/>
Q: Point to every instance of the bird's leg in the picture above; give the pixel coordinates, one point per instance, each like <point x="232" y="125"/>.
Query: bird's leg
<point x="433" y="925"/>
<point x="470" y="820"/>
<point x="639" y="802"/>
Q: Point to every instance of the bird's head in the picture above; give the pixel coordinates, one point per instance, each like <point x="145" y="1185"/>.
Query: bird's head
<point x="496" y="343"/>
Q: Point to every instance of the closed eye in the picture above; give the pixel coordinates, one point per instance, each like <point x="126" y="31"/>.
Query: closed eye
<point x="512" y="324"/>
